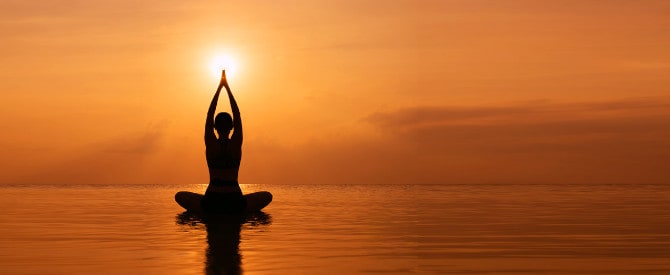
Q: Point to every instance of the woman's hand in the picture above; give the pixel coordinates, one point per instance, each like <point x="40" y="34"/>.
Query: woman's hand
<point x="224" y="80"/>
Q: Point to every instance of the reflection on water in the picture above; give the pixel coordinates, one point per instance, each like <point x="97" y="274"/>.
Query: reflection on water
<point x="340" y="229"/>
<point x="223" y="238"/>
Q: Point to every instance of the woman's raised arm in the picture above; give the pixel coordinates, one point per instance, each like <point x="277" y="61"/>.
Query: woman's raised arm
<point x="236" y="138"/>
<point x="209" y="121"/>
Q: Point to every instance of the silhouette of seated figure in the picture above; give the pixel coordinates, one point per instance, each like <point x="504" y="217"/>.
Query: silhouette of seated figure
<point x="224" y="155"/>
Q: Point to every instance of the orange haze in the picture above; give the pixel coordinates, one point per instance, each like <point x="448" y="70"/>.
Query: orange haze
<point x="519" y="91"/>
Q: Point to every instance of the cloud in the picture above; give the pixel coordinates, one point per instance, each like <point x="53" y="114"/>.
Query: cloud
<point x="120" y="160"/>
<point x="625" y="141"/>
<point x="137" y="144"/>
<point x="514" y="114"/>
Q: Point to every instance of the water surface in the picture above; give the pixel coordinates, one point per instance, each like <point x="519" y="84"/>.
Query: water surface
<point x="340" y="229"/>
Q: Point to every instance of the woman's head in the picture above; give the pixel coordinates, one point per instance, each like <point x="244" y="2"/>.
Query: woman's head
<point x="223" y="122"/>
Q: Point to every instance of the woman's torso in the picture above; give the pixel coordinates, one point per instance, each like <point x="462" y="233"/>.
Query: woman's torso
<point x="223" y="163"/>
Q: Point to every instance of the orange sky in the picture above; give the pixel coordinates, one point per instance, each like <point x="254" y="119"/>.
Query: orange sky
<point x="338" y="91"/>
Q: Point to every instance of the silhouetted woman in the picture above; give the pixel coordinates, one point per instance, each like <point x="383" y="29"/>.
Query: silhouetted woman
<point x="224" y="154"/>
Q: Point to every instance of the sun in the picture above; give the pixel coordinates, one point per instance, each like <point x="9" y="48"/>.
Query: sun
<point x="224" y="62"/>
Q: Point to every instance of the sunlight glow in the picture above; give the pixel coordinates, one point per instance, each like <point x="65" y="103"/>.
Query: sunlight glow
<point x="221" y="62"/>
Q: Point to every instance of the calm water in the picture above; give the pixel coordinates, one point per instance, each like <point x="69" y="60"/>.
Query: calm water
<point x="340" y="229"/>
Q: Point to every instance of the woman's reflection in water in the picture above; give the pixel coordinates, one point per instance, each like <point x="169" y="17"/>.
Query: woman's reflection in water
<point x="223" y="238"/>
